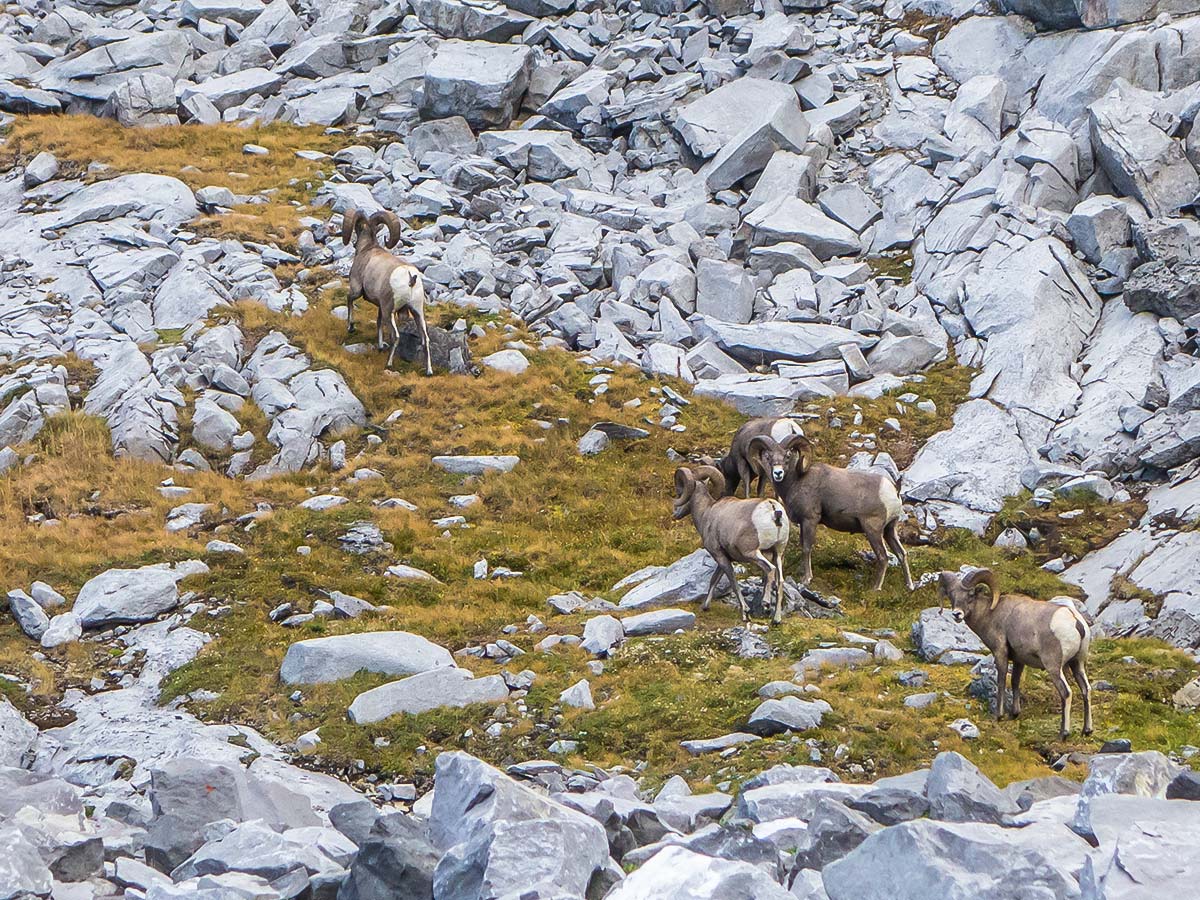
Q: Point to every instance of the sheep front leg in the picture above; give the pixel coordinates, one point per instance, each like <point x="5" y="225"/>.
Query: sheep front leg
<point x="875" y="538"/>
<point x="1081" y="679"/>
<point x="1017" y="670"/>
<point x="893" y="542"/>
<point x="1001" y="660"/>
<point x="737" y="589"/>
<point x="745" y="475"/>
<point x="352" y="294"/>
<point x="712" y="586"/>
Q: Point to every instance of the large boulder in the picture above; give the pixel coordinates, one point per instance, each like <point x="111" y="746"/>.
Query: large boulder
<point x="765" y="342"/>
<point x="121" y="596"/>
<point x="484" y="20"/>
<point x="975" y="463"/>
<point x="320" y="660"/>
<point x="498" y="836"/>
<point x="480" y="81"/>
<point x="968" y="861"/>
<point x="1145" y="860"/>
<point x="395" y="859"/>
<point x="684" y="581"/>
<point x="1165" y="289"/>
<point x="958" y="792"/>
<point x="676" y="873"/>
<point x="709" y="124"/>
<point x="790" y="219"/>
<point x="17" y="735"/>
<point x="936" y="632"/>
<point x="1139" y="158"/>
<point x="438" y="688"/>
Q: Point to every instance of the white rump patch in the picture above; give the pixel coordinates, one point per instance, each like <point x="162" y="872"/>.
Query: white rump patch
<point x="764" y="519"/>
<point x="1062" y="624"/>
<point x="890" y="498"/>
<point x="784" y="429"/>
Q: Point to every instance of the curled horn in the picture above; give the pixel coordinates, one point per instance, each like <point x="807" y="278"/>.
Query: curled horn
<point x="763" y="442"/>
<point x="685" y="484"/>
<point x="714" y="477"/>
<point x="802" y="447"/>
<point x="350" y="220"/>
<point x="982" y="577"/>
<point x="388" y="218"/>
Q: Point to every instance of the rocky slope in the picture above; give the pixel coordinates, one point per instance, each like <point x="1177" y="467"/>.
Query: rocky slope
<point x="797" y="207"/>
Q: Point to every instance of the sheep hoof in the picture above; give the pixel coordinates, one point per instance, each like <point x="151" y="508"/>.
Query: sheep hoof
<point x="1086" y="732"/>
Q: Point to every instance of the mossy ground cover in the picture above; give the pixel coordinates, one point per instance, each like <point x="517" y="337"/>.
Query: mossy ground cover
<point x="565" y="521"/>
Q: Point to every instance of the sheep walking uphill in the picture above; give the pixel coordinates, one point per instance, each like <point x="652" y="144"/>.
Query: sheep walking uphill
<point x="733" y="530"/>
<point x="389" y="283"/>
<point x="847" y="500"/>
<point x="741" y="465"/>
<point x="1049" y="635"/>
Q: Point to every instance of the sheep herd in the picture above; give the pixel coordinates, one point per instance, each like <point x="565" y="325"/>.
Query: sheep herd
<point x="1017" y="629"/>
<point x="1050" y="635"/>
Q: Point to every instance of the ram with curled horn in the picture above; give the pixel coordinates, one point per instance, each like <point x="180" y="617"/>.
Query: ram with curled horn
<point x="1045" y="634"/>
<point x="384" y="280"/>
<point x="734" y="530"/>
<point x="857" y="501"/>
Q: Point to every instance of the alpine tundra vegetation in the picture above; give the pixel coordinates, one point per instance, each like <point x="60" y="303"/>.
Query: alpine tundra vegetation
<point x="290" y="618"/>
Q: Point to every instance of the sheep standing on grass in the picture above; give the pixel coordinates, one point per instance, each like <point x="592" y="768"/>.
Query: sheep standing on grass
<point x="385" y="281"/>
<point x="849" y="500"/>
<point x="1046" y="635"/>
<point x="732" y="530"/>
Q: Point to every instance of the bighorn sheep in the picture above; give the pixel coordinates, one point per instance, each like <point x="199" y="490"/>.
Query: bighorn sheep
<point x="1028" y="632"/>
<point x="848" y="500"/>
<point x="385" y="281"/>
<point x="741" y="465"/>
<point x="733" y="530"/>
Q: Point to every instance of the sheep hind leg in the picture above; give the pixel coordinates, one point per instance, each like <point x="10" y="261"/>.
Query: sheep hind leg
<point x="745" y="476"/>
<point x="1064" y="695"/>
<point x="875" y="537"/>
<point x="1081" y="679"/>
<point x="395" y="337"/>
<point x="778" y="567"/>
<point x="893" y="542"/>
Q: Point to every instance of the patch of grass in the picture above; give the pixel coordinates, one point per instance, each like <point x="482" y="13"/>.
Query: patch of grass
<point x="1069" y="527"/>
<point x="198" y="155"/>
<point x="567" y="522"/>
<point x="896" y="266"/>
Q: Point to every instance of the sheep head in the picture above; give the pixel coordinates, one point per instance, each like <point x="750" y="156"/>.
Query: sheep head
<point x="771" y="456"/>
<point x="801" y="447"/>
<point x="962" y="591"/>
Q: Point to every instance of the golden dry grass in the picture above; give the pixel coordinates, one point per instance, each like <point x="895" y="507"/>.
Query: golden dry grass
<point x="198" y="155"/>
